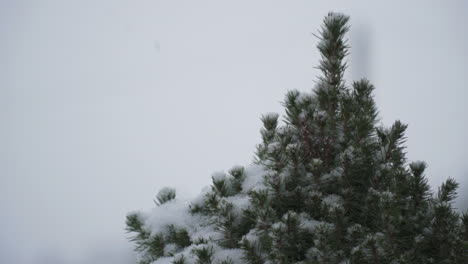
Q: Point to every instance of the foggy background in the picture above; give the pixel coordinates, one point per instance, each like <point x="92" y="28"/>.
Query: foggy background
<point x="102" y="103"/>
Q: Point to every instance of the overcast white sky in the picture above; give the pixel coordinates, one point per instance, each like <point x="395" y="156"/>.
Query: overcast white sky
<point x="104" y="102"/>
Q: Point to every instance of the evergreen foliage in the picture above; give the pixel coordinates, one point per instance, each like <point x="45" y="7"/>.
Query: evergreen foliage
<point x="327" y="186"/>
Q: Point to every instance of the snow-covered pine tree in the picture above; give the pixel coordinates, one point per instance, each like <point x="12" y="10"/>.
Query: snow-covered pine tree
<point x="327" y="186"/>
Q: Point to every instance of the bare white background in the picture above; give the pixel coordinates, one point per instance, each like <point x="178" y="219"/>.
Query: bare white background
<point x="104" y="102"/>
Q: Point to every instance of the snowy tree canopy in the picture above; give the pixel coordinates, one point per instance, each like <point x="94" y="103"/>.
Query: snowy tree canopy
<point x="328" y="185"/>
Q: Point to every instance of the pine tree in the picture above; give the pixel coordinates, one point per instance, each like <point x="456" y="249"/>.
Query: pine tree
<point x="327" y="186"/>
